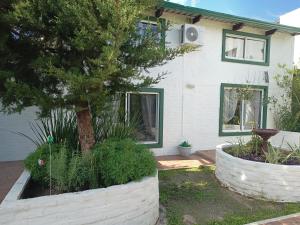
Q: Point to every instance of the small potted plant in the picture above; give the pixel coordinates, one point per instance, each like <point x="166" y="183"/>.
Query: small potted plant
<point x="185" y="148"/>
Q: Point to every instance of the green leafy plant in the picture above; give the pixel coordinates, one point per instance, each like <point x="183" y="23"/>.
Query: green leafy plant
<point x="39" y="171"/>
<point x="124" y="160"/>
<point x="274" y="155"/>
<point x="185" y="144"/>
<point x="239" y="148"/>
<point x="62" y="126"/>
<point x="286" y="104"/>
<point x="115" y="161"/>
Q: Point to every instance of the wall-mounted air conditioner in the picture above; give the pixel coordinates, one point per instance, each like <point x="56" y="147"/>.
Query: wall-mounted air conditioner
<point x="192" y="35"/>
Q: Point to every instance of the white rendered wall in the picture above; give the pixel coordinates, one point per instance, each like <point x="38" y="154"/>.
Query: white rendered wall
<point x="12" y="145"/>
<point x="280" y="183"/>
<point x="135" y="203"/>
<point x="192" y="87"/>
<point x="293" y="19"/>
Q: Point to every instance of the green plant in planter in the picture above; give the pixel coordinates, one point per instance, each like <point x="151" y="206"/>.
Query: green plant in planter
<point x="185" y="144"/>
<point x="115" y="161"/>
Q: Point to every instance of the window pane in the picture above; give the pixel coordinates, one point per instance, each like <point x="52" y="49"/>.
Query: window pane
<point x="234" y="47"/>
<point x="143" y="110"/>
<point x="145" y="28"/>
<point x="255" y="50"/>
<point x="231" y="110"/>
<point x="252" y="110"/>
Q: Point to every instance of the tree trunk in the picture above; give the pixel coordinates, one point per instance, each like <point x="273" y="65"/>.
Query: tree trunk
<point x="85" y="129"/>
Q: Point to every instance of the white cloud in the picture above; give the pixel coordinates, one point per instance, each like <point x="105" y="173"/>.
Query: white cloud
<point x="186" y="2"/>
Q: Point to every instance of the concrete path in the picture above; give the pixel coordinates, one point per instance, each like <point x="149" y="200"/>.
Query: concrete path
<point x="197" y="159"/>
<point x="293" y="219"/>
<point x="9" y="173"/>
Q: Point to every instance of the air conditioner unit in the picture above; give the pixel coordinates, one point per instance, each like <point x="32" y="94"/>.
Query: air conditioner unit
<point x="192" y="35"/>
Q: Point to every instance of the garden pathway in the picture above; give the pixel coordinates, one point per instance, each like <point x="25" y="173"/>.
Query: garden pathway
<point x="197" y="159"/>
<point x="293" y="219"/>
<point x="9" y="173"/>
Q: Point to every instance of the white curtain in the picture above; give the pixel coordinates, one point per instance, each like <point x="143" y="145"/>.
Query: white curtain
<point x="148" y="103"/>
<point x="252" y="111"/>
<point x="229" y="104"/>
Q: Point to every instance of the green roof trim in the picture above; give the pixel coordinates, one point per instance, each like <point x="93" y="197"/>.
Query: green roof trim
<point x="192" y="11"/>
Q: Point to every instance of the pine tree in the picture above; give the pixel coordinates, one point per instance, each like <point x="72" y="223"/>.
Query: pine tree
<point x="74" y="53"/>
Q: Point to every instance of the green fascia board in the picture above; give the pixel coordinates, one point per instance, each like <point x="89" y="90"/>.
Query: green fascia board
<point x="268" y="46"/>
<point x="265" y="107"/>
<point x="193" y="11"/>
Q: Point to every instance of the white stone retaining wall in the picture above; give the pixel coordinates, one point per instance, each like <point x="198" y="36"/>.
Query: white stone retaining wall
<point x="286" y="138"/>
<point x="135" y="203"/>
<point x="280" y="183"/>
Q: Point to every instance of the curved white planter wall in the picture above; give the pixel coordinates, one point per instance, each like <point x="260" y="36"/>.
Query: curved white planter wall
<point x="135" y="203"/>
<point x="279" y="183"/>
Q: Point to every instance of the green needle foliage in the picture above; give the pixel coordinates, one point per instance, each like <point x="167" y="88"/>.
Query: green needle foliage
<point x="73" y="54"/>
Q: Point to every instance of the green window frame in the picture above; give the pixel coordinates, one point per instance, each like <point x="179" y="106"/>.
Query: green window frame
<point x="246" y="37"/>
<point x="262" y="113"/>
<point x="160" y="22"/>
<point x="159" y="92"/>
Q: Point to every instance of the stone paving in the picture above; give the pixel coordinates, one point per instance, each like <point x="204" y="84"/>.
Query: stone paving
<point x="293" y="219"/>
<point x="197" y="159"/>
<point x="9" y="173"/>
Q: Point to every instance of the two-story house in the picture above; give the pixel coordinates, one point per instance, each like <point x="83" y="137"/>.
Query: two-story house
<point x="200" y="98"/>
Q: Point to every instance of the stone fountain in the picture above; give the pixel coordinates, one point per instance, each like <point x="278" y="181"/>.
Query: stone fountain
<point x="265" y="134"/>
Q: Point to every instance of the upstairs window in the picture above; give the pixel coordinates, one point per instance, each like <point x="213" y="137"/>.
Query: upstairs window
<point x="153" y="26"/>
<point x="245" y="48"/>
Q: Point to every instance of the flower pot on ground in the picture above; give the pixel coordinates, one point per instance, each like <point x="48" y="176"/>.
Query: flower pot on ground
<point x="185" y="149"/>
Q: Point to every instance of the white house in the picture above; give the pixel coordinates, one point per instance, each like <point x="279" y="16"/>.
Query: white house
<point x="293" y="19"/>
<point x="198" y="99"/>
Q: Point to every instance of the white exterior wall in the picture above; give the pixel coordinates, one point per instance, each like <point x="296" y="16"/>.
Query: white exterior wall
<point x="293" y="19"/>
<point x="12" y="145"/>
<point x="193" y="113"/>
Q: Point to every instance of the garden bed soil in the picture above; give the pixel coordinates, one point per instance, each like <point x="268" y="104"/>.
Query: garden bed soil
<point x="261" y="157"/>
<point x="34" y="189"/>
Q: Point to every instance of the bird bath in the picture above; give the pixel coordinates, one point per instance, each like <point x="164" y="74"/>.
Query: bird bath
<point x="265" y="134"/>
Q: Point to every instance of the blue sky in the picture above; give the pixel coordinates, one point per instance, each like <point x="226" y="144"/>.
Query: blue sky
<point x="268" y="10"/>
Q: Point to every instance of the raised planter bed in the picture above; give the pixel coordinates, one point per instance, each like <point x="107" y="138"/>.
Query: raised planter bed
<point x="135" y="203"/>
<point x="280" y="183"/>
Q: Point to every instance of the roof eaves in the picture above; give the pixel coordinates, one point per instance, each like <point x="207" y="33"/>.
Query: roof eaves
<point x="192" y="11"/>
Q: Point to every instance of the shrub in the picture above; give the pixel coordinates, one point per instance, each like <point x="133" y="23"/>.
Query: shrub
<point x="39" y="173"/>
<point x="122" y="161"/>
<point x="115" y="161"/>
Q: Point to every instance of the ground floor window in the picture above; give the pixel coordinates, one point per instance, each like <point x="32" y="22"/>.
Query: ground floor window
<point x="145" y="109"/>
<point x="242" y="108"/>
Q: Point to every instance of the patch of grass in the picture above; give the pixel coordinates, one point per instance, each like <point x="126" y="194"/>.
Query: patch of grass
<point x="197" y="192"/>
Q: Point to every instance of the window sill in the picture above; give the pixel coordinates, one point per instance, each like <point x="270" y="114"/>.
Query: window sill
<point x="153" y="145"/>
<point x="245" y="133"/>
<point x="224" y="59"/>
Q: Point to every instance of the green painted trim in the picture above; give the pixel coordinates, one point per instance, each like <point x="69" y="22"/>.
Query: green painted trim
<point x="265" y="107"/>
<point x="268" y="46"/>
<point x="160" y="92"/>
<point x="162" y="23"/>
<point x="192" y="11"/>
